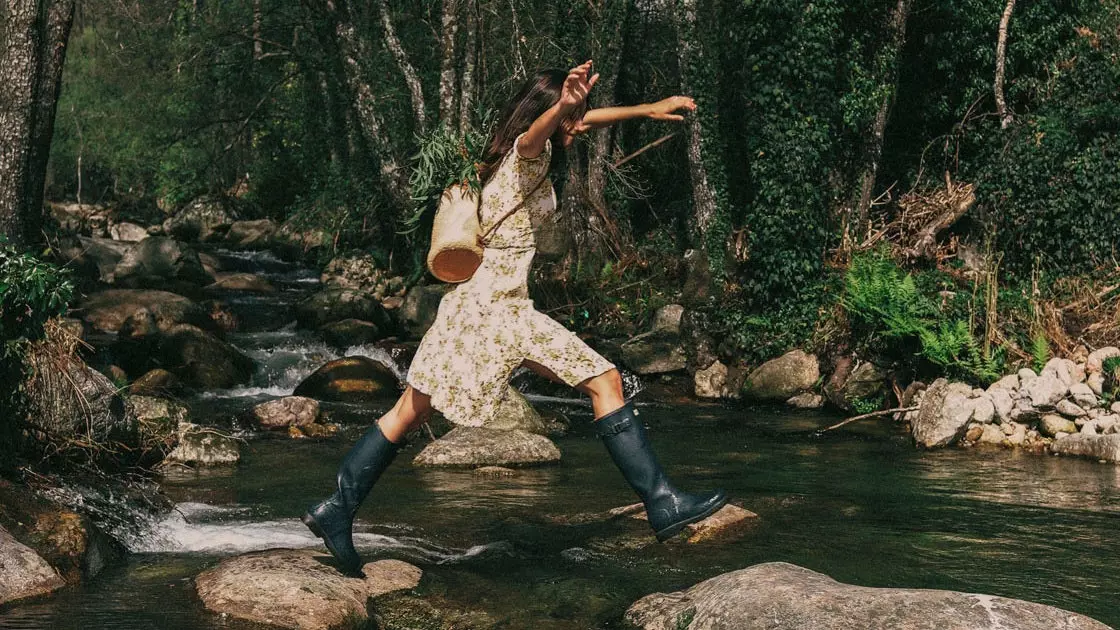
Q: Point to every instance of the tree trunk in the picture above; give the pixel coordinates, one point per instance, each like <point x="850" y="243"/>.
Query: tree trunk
<point x="60" y="17"/>
<point x="470" y="65"/>
<point x="415" y="90"/>
<point x="689" y="56"/>
<point x="607" y="52"/>
<point x="353" y="51"/>
<point x="258" y="45"/>
<point x="1005" y="116"/>
<point x="449" y="26"/>
<point x="335" y="119"/>
<point x="19" y="63"/>
<point x="874" y="148"/>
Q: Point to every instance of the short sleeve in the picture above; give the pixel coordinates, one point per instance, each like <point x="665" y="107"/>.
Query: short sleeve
<point x="528" y="172"/>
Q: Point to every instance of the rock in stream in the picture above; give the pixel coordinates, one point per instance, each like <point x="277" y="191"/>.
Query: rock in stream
<point x="298" y="588"/>
<point x="780" y="596"/>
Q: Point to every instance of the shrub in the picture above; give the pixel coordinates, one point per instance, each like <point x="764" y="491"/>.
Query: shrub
<point x="31" y="292"/>
<point x="893" y="317"/>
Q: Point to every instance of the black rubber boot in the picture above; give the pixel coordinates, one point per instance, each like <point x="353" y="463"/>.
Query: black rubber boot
<point x="333" y="519"/>
<point x="668" y="509"/>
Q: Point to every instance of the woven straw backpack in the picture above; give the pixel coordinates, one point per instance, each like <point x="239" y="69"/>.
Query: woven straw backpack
<point x="457" y="237"/>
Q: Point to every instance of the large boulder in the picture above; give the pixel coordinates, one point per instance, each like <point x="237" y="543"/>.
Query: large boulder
<point x="480" y="446"/>
<point x="515" y="413"/>
<point x="127" y="232"/>
<point x="80" y="218"/>
<point x="107" y="310"/>
<point x="1053" y="424"/>
<point x="160" y="262"/>
<point x="1095" y="362"/>
<point x="350" y="379"/>
<point x="1065" y="370"/>
<point x="251" y="234"/>
<point x="332" y="305"/>
<point x="711" y="382"/>
<point x="1045" y="391"/>
<point x="780" y="596"/>
<point x="655" y="352"/>
<point x="160" y="420"/>
<point x="1099" y="447"/>
<point x="201" y="359"/>
<point x="418" y="311"/>
<point x="864" y="382"/>
<point x="239" y="281"/>
<point x="350" y="332"/>
<point x="22" y="572"/>
<point x="100" y="254"/>
<point x="944" y="414"/>
<point x="157" y="382"/>
<point x="68" y="541"/>
<point x="301" y="589"/>
<point x="363" y="273"/>
<point x="204" y="219"/>
<point x="74" y="404"/>
<point x="668" y="318"/>
<point x="778" y="379"/>
<point x="294" y="242"/>
<point x="290" y="411"/>
<point x="198" y="446"/>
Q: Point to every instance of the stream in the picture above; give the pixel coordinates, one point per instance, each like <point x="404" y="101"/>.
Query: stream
<point x="861" y="505"/>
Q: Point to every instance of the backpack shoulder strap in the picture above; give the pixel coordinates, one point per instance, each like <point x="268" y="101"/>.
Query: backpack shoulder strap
<point x="484" y="239"/>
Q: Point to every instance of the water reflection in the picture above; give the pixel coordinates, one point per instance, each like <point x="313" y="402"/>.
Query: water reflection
<point x="1021" y="478"/>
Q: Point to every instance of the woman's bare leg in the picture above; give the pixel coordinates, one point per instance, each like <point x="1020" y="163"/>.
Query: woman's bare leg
<point x="605" y="390"/>
<point x="408" y="414"/>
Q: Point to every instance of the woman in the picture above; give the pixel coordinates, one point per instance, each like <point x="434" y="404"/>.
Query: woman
<point x="487" y="326"/>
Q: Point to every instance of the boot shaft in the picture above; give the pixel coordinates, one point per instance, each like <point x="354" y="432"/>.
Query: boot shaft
<point x="624" y="435"/>
<point x="363" y="465"/>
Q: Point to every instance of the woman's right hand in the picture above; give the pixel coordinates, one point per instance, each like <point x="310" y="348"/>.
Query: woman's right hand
<point x="577" y="86"/>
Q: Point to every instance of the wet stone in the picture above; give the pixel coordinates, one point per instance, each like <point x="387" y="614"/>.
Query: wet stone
<point x="300" y="589"/>
<point x="725" y="523"/>
<point x="780" y="596"/>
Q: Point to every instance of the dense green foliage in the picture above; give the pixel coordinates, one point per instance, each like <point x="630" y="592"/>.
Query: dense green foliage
<point x="167" y="100"/>
<point x="1049" y="185"/>
<point x="31" y="292"/>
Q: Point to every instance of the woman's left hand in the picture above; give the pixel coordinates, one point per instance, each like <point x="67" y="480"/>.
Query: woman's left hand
<point x="665" y="108"/>
<point x="577" y="86"/>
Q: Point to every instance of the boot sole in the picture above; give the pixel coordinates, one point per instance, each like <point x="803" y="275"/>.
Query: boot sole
<point x="311" y="524"/>
<point x="675" y="528"/>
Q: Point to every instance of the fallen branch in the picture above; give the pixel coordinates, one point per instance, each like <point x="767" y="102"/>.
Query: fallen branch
<point x="642" y="150"/>
<point x="873" y="414"/>
<point x="955" y="203"/>
<point x="1097" y="297"/>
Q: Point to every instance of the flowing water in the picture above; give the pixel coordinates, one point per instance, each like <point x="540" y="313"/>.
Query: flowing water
<point x="861" y="505"/>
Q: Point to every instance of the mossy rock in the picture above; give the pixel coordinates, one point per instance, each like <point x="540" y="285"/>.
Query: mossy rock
<point x="350" y="379"/>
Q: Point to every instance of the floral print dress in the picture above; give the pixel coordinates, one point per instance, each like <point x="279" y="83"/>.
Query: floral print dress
<point x="487" y="326"/>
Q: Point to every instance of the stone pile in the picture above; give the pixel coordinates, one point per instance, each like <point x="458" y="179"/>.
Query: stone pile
<point x="1064" y="409"/>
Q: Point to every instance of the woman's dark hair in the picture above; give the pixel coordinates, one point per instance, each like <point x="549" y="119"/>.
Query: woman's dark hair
<point x="539" y="93"/>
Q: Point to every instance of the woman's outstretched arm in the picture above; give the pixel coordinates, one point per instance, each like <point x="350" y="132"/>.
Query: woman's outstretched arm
<point x="665" y="109"/>
<point x="572" y="95"/>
